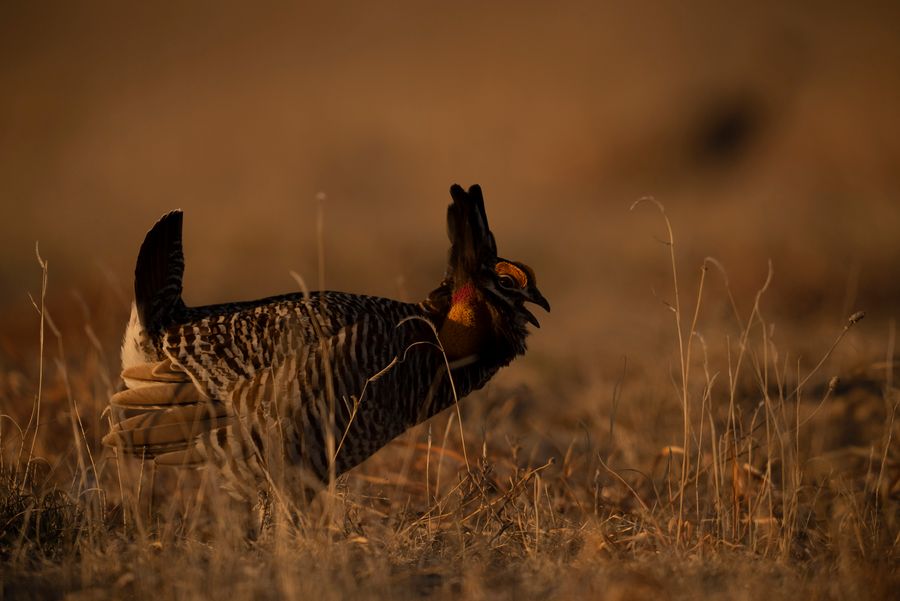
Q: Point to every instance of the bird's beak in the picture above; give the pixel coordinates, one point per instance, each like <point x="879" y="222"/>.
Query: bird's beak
<point x="535" y="296"/>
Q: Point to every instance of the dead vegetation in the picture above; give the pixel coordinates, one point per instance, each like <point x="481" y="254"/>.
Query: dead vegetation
<point x="744" y="471"/>
<point x="660" y="440"/>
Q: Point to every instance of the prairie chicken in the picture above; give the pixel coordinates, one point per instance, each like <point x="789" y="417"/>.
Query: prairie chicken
<point x="310" y="384"/>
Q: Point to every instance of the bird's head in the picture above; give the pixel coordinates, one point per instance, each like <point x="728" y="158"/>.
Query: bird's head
<point x="511" y="284"/>
<point x="477" y="274"/>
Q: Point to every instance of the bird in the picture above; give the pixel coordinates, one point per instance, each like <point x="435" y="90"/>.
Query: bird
<point x="299" y="388"/>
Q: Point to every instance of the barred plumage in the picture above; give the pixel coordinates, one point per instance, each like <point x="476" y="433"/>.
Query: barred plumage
<point x="303" y="387"/>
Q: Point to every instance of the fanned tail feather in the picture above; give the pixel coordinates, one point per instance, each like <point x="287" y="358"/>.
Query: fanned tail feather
<point x="158" y="273"/>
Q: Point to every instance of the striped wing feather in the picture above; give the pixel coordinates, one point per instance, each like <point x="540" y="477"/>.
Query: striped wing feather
<point x="258" y="381"/>
<point x="162" y="411"/>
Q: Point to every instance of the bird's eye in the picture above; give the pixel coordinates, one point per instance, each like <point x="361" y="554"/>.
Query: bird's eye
<point x="507" y="281"/>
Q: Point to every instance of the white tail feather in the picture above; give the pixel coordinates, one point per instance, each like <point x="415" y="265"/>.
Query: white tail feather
<point x="133" y="345"/>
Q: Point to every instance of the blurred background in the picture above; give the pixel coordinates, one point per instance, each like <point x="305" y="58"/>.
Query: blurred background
<point x="770" y="131"/>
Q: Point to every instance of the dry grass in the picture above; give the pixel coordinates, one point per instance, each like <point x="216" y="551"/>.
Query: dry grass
<point x="685" y="443"/>
<point x="744" y="471"/>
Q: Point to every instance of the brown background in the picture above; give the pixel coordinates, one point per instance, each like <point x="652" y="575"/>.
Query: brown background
<point x="769" y="132"/>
